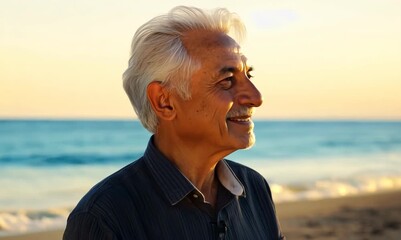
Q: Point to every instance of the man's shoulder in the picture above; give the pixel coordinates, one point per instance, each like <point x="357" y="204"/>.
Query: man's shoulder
<point x="116" y="186"/>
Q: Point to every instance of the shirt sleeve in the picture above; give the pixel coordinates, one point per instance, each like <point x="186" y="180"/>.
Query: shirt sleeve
<point x="85" y="226"/>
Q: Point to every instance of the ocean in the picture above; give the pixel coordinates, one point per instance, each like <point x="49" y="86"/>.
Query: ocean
<point x="46" y="166"/>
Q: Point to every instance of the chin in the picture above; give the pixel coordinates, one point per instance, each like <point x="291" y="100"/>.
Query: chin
<point x="246" y="142"/>
<point x="251" y="142"/>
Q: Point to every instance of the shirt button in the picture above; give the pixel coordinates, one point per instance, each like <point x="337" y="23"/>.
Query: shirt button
<point x="195" y="195"/>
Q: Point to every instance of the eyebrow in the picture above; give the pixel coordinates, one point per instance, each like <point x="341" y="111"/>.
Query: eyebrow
<point x="226" y="70"/>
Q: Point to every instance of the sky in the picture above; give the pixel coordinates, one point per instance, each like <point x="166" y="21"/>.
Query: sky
<point x="313" y="59"/>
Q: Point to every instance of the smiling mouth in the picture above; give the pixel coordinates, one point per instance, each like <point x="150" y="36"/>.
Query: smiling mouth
<point x="240" y="119"/>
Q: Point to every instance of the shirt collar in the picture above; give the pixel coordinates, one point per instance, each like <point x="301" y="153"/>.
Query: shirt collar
<point x="228" y="179"/>
<point x="174" y="185"/>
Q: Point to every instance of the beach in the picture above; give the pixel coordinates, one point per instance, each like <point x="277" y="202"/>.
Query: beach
<point x="367" y="216"/>
<point x="329" y="179"/>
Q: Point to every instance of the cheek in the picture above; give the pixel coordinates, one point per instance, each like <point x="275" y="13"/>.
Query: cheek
<point x="214" y="107"/>
<point x="206" y="108"/>
<point x="203" y="107"/>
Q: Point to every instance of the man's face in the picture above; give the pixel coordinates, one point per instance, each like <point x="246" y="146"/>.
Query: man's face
<point x="218" y="115"/>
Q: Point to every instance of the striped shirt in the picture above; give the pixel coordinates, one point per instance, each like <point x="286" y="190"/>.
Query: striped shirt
<point x="151" y="199"/>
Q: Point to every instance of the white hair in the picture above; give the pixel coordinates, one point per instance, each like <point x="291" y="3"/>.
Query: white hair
<point x="158" y="54"/>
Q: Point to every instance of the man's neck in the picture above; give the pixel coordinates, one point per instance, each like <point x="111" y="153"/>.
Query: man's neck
<point x="194" y="161"/>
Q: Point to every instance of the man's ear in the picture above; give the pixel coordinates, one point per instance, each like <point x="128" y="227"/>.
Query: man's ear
<point x="159" y="99"/>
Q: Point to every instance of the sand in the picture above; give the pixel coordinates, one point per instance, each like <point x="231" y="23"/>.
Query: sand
<point x="374" y="216"/>
<point x="51" y="235"/>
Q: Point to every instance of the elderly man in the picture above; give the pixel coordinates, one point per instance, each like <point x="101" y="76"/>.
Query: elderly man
<point x="190" y="85"/>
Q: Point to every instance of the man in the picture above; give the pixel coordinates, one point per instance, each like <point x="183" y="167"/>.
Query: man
<point x="190" y="86"/>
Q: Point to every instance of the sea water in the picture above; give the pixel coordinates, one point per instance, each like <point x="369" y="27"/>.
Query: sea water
<point x="46" y="166"/>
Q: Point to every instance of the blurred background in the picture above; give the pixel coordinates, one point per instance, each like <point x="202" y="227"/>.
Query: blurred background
<point x="313" y="59"/>
<point x="329" y="71"/>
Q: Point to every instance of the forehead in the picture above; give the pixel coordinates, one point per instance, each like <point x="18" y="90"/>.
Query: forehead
<point x="213" y="48"/>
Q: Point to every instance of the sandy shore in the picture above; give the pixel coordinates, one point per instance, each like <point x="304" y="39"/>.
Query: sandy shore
<point x="375" y="216"/>
<point x="51" y="235"/>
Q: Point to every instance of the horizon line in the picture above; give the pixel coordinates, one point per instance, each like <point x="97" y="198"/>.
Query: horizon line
<point x="288" y="119"/>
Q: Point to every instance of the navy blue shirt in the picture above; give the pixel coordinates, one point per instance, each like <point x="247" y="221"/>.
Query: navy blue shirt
<point x="151" y="199"/>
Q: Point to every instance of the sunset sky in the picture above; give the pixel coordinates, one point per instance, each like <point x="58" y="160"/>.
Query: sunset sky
<point x="313" y="59"/>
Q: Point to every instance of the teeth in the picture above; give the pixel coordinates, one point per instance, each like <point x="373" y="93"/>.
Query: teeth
<point x="240" y="119"/>
<point x="243" y="120"/>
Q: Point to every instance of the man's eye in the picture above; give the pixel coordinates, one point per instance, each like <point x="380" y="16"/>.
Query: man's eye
<point x="227" y="82"/>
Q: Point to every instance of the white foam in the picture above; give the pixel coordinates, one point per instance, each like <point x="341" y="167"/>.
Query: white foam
<point x="335" y="188"/>
<point x="27" y="190"/>
<point x="23" y="221"/>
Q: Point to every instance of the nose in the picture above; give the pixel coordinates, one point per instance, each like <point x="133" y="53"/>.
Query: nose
<point x="249" y="95"/>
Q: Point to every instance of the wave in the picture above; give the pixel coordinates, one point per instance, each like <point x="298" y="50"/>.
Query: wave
<point x="25" y="221"/>
<point x="67" y="159"/>
<point x="334" y="188"/>
<point x="21" y="221"/>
